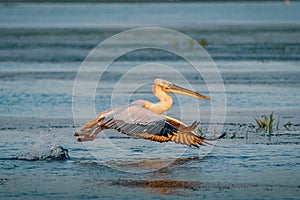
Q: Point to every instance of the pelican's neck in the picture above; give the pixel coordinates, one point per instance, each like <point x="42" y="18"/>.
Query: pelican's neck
<point x="163" y="105"/>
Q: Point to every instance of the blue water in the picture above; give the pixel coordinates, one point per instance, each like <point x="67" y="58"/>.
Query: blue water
<point x="256" y="47"/>
<point x="116" y="15"/>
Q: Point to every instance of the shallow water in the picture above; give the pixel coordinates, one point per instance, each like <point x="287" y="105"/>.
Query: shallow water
<point x="258" y="58"/>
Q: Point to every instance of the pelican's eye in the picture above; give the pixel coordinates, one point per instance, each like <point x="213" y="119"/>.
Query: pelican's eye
<point x="168" y="87"/>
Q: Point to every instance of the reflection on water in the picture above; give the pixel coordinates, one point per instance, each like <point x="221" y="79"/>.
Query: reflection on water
<point x="162" y="187"/>
<point x="171" y="187"/>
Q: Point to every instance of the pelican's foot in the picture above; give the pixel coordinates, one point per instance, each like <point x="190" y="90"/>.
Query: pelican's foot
<point x="86" y="138"/>
<point x="88" y="135"/>
<point x="82" y="133"/>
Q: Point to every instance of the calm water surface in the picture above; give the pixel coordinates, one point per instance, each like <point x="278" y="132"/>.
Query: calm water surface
<point x="258" y="58"/>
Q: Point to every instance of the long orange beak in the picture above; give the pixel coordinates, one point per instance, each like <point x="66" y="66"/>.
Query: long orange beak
<point x="180" y="90"/>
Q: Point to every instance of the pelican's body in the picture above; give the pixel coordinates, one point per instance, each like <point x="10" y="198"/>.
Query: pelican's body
<point x="144" y="119"/>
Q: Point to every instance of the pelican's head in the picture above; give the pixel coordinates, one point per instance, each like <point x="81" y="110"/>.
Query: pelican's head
<point x="167" y="86"/>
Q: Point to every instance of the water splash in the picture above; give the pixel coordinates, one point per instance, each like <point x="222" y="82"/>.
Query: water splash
<point x="45" y="147"/>
<point x="54" y="153"/>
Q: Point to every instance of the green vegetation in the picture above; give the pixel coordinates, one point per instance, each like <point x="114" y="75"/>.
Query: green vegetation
<point x="233" y="135"/>
<point x="266" y="124"/>
<point x="203" y="43"/>
<point x="200" y="131"/>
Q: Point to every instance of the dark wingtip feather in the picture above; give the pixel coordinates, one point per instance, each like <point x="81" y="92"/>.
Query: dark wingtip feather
<point x="223" y="135"/>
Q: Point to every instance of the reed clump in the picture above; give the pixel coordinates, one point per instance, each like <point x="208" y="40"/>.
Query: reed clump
<point x="265" y="124"/>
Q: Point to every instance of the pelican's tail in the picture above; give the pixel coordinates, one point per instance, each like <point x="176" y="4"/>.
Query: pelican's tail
<point x="187" y="135"/>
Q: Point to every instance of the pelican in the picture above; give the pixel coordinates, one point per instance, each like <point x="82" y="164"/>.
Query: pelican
<point x="144" y="119"/>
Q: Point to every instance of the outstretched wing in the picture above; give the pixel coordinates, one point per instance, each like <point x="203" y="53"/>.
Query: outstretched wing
<point x="186" y="135"/>
<point x="134" y="120"/>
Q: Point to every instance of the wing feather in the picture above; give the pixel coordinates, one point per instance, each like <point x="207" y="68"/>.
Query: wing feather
<point x="135" y="120"/>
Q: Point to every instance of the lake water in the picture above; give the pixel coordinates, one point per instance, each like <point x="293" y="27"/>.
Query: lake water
<point x="255" y="46"/>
